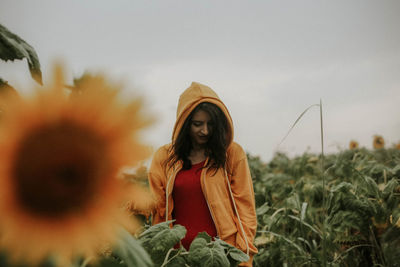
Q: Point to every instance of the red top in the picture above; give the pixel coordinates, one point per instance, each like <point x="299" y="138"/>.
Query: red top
<point x="190" y="206"/>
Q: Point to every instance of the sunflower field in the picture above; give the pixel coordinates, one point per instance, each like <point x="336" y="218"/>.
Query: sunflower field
<point x="354" y="220"/>
<point x="351" y="220"/>
<point x="65" y="199"/>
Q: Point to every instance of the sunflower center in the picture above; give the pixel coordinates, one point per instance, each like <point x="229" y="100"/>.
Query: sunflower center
<point x="58" y="169"/>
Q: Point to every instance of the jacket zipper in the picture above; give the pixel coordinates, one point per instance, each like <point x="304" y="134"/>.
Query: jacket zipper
<point x="167" y="194"/>
<point x="203" y="187"/>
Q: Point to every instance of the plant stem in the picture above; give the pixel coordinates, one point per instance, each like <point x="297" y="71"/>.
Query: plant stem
<point x="323" y="189"/>
<point x="166" y="259"/>
<point x="378" y="247"/>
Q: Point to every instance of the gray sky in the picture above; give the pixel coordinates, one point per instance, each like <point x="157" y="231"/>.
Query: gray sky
<point x="267" y="60"/>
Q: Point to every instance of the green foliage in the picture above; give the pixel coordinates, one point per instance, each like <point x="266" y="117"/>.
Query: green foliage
<point x="13" y="47"/>
<point x="131" y="252"/>
<point x="362" y="206"/>
<point x="391" y="245"/>
<point x="206" y="254"/>
<point x="127" y="252"/>
<point x="358" y="221"/>
<point x="160" y="238"/>
<point x="161" y="242"/>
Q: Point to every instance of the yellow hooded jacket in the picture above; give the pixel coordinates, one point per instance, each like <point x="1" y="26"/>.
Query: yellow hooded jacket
<point x="229" y="194"/>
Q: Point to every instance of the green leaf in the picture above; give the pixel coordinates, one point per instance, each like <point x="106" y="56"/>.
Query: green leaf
<point x="204" y="256"/>
<point x="166" y="239"/>
<point x="287" y="240"/>
<point x="205" y="236"/>
<point x="390" y="187"/>
<point x="396" y="170"/>
<point x="303" y="210"/>
<point x="197" y="244"/>
<point x="306" y="224"/>
<point x="371" y="187"/>
<point x="160" y="238"/>
<point x="177" y="258"/>
<point x="13" y="47"/>
<point x="235" y="253"/>
<point x="150" y="232"/>
<point x="131" y="251"/>
<point x="263" y="209"/>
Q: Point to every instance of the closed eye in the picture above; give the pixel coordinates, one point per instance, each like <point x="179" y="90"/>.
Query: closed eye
<point x="197" y="123"/>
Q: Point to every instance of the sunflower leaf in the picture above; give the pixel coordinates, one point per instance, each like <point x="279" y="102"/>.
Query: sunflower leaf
<point x="205" y="236"/>
<point x="263" y="209"/>
<point x="153" y="230"/>
<point x="202" y="255"/>
<point x="234" y="253"/>
<point x="13" y="47"/>
<point x="160" y="238"/>
<point x="131" y="251"/>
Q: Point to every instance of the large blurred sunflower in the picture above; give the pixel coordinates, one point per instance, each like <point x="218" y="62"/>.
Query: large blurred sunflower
<point x="378" y="142"/>
<point x="59" y="159"/>
<point x="353" y="144"/>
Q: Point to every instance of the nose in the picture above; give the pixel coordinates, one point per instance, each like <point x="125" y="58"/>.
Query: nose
<point x="204" y="129"/>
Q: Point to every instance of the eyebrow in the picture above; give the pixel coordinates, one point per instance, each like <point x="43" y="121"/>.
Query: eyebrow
<point x="197" y="121"/>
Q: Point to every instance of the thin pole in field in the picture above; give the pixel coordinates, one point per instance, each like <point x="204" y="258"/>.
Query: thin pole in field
<point x="323" y="188"/>
<point x="322" y="172"/>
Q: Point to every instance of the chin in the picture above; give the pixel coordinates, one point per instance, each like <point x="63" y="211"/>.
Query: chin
<point x="202" y="142"/>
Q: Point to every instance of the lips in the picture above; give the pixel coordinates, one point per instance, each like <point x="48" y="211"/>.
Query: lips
<point x="203" y="138"/>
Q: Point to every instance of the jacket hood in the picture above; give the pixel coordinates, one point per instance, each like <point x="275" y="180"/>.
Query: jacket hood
<point x="194" y="95"/>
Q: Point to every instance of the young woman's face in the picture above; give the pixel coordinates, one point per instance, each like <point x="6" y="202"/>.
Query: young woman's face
<point x="200" y="128"/>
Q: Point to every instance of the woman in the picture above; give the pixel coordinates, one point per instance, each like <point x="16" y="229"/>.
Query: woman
<point x="202" y="179"/>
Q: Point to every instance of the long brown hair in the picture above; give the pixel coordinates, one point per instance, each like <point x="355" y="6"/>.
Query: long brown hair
<point x="216" y="146"/>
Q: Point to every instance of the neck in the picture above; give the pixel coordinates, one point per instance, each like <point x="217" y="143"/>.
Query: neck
<point x="197" y="154"/>
<point x="197" y="147"/>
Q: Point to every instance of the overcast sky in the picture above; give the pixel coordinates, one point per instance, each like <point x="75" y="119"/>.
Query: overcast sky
<point x="267" y="60"/>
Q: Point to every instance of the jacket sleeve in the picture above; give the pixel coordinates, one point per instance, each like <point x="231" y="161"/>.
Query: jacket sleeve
<point x="243" y="193"/>
<point x="157" y="186"/>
